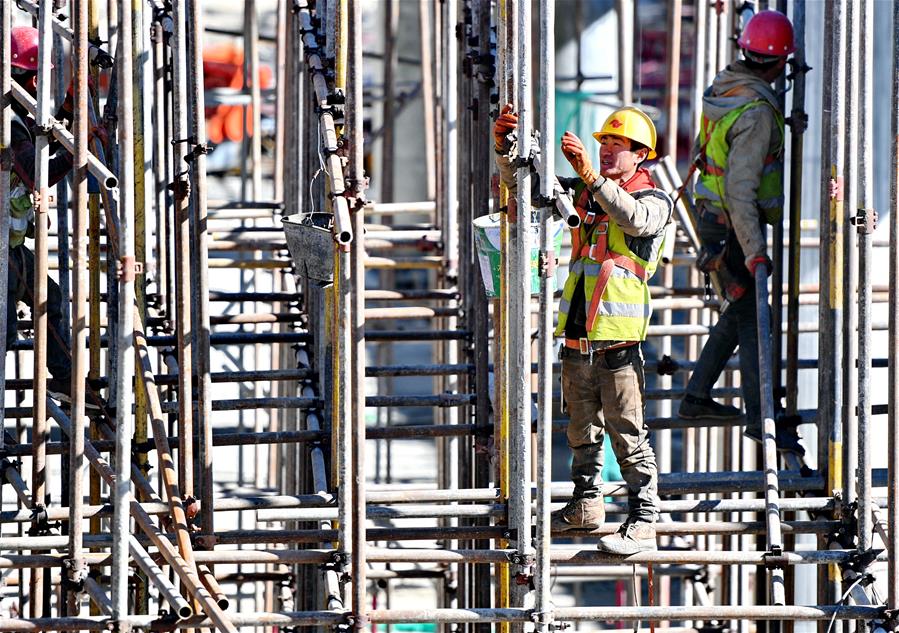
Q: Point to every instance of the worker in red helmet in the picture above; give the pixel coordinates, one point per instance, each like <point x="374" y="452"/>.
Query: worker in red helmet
<point x="739" y="154"/>
<point x="23" y="67"/>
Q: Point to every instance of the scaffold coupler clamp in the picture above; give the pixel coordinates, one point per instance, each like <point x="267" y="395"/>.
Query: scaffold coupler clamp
<point x="774" y="559"/>
<point x="865" y="221"/>
<point x="858" y="563"/>
<point x="337" y="562"/>
<point x="41" y="525"/>
<point x="543" y="618"/>
<point x="525" y="563"/>
<point x="532" y="156"/>
<point x="76" y="572"/>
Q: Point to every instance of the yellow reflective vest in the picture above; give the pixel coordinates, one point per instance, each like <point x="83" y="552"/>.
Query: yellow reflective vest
<point x="616" y="290"/>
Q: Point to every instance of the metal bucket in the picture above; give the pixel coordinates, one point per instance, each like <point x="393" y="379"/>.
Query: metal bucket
<point x="311" y="245"/>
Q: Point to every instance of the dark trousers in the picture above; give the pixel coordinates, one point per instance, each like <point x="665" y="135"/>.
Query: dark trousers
<point x="21" y="288"/>
<point x="736" y="326"/>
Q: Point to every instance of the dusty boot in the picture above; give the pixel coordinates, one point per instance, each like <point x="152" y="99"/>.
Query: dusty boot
<point x="580" y="514"/>
<point x="632" y="537"/>
<point x="693" y="408"/>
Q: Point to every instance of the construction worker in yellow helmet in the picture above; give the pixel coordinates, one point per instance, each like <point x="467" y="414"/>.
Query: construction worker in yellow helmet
<point x="604" y="316"/>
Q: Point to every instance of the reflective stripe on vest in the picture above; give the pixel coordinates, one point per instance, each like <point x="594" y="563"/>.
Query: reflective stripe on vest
<point x="616" y="293"/>
<point x="710" y="186"/>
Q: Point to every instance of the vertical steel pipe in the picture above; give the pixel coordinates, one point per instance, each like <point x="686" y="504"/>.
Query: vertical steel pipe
<point x="798" y="125"/>
<point x="893" y="428"/>
<point x="672" y="95"/>
<point x="181" y="193"/>
<point x="352" y="34"/>
<point x="76" y="567"/>
<point x="281" y="121"/>
<point x="121" y="488"/>
<point x="251" y="39"/>
<point x="850" y="255"/>
<point x="40" y="432"/>
<point x="830" y="306"/>
<point x="830" y="341"/>
<point x="700" y="16"/>
<point x="769" y="456"/>
<point x="519" y="371"/>
<point x="625" y="14"/>
<point x="427" y="91"/>
<point x="5" y="171"/>
<point x="388" y="111"/>
<point x="865" y="225"/>
<point x="450" y="192"/>
<point x="199" y="251"/>
<point x="547" y="80"/>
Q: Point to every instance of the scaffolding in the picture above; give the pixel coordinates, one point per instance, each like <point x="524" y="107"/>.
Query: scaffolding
<point x="118" y="518"/>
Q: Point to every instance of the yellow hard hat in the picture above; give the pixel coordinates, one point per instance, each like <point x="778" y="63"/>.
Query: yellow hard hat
<point x="632" y="123"/>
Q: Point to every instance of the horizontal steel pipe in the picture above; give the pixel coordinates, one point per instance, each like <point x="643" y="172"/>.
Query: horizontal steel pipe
<point x="106" y="178"/>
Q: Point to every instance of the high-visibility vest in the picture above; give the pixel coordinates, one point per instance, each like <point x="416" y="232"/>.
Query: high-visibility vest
<point x="21" y="203"/>
<point x="616" y="292"/>
<point x="710" y="186"/>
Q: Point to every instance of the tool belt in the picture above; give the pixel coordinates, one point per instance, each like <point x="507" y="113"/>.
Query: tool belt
<point x="588" y="348"/>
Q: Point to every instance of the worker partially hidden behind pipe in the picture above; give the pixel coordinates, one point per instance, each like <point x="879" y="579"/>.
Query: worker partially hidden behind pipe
<point x="604" y="315"/>
<point x="23" y="62"/>
<point x="740" y="189"/>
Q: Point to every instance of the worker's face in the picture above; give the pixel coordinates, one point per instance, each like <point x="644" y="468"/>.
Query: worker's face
<point x="616" y="159"/>
<point x="28" y="81"/>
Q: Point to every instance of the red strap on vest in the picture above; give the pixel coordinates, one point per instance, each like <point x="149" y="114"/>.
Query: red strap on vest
<point x="605" y="273"/>
<point x="600" y="252"/>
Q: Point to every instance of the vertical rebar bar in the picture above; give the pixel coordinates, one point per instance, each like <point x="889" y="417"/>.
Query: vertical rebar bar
<point x="40" y="431"/>
<point x="864" y="222"/>
<point x="893" y="430"/>
<point x="200" y="285"/>
<point x="547" y="80"/>
<point x="125" y="361"/>
<point x="519" y="371"/>
<point x="77" y="569"/>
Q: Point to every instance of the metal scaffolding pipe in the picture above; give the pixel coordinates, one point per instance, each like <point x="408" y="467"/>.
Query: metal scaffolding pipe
<point x="518" y="373"/>
<point x="96" y="167"/>
<point x="893" y="382"/>
<point x="865" y="224"/>
<point x="546" y="123"/>
<point x="5" y="172"/>
<point x="40" y="430"/>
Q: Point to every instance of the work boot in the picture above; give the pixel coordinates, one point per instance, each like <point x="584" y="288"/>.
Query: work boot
<point x="580" y="514"/>
<point x="786" y="438"/>
<point x="693" y="408"/>
<point x="61" y="390"/>
<point x="632" y="537"/>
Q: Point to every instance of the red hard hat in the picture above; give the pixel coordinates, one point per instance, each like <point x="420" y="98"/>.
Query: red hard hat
<point x="768" y="33"/>
<point x="24" y="47"/>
